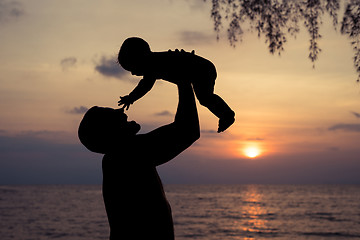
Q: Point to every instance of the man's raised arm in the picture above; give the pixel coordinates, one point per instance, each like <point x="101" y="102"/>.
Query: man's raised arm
<point x="166" y="142"/>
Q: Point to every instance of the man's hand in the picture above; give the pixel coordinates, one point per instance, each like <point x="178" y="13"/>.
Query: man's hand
<point x="125" y="100"/>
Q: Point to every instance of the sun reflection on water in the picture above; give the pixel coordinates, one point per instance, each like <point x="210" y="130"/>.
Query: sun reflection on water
<point x="254" y="214"/>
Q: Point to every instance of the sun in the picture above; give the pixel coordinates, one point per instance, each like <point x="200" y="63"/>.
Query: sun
<point x="252" y="152"/>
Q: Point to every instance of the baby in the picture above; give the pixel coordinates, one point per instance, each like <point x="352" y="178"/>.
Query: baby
<point x="173" y="66"/>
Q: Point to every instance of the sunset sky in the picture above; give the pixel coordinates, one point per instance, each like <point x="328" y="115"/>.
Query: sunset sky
<point x="58" y="58"/>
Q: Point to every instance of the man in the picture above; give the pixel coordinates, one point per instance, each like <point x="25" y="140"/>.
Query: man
<point x="133" y="194"/>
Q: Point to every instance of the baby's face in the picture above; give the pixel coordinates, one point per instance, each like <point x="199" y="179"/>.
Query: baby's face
<point x="137" y="73"/>
<point x="137" y="67"/>
<point x="137" y="70"/>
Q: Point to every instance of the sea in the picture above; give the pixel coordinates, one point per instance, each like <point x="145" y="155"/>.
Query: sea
<point x="207" y="212"/>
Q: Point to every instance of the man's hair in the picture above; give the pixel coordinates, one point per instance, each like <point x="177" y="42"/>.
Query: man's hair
<point x="94" y="129"/>
<point x="131" y="51"/>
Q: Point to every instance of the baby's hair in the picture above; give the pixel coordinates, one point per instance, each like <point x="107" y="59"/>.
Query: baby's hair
<point x="131" y="50"/>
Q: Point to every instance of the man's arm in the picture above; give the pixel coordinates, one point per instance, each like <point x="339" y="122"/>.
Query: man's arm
<point x="166" y="142"/>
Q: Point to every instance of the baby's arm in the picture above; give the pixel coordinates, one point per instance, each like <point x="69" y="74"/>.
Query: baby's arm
<point x="139" y="91"/>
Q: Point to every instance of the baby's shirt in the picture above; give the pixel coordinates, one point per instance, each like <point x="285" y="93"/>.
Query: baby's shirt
<point x="174" y="66"/>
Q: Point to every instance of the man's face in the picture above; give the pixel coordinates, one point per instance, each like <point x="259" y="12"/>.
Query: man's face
<point x="124" y="126"/>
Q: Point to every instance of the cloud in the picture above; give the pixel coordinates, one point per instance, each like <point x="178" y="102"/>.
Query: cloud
<point x="108" y="67"/>
<point x="208" y="131"/>
<point x="256" y="139"/>
<point x="356" y="114"/>
<point x="163" y="113"/>
<point x="78" y="110"/>
<point x="67" y="63"/>
<point x="349" y="127"/>
<point x="212" y="133"/>
<point x="10" y="10"/>
<point x="334" y="149"/>
<point x="345" y="127"/>
<point x="55" y="136"/>
<point x="197" y="5"/>
<point x="196" y="38"/>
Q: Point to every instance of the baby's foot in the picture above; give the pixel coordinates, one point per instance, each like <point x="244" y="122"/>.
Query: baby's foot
<point x="225" y="123"/>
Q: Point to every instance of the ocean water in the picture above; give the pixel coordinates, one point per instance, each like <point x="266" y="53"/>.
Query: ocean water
<point x="208" y="212"/>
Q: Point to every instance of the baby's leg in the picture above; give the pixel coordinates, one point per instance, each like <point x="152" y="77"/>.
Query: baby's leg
<point x="216" y="105"/>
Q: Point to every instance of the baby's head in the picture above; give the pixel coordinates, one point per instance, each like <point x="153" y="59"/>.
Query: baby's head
<point x="132" y="55"/>
<point x="103" y="130"/>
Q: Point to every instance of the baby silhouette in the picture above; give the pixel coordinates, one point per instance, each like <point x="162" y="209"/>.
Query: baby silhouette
<point x="173" y="66"/>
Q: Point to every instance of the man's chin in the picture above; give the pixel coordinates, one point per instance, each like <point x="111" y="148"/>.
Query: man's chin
<point x="138" y="129"/>
<point x="135" y="127"/>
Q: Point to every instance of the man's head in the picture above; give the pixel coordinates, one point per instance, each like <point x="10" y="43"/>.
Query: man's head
<point x="133" y="54"/>
<point x="104" y="129"/>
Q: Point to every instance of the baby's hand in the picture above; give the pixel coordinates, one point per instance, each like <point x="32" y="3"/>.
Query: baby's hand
<point x="125" y="100"/>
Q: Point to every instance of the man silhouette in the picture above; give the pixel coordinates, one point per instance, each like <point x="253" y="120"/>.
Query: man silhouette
<point x="133" y="194"/>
